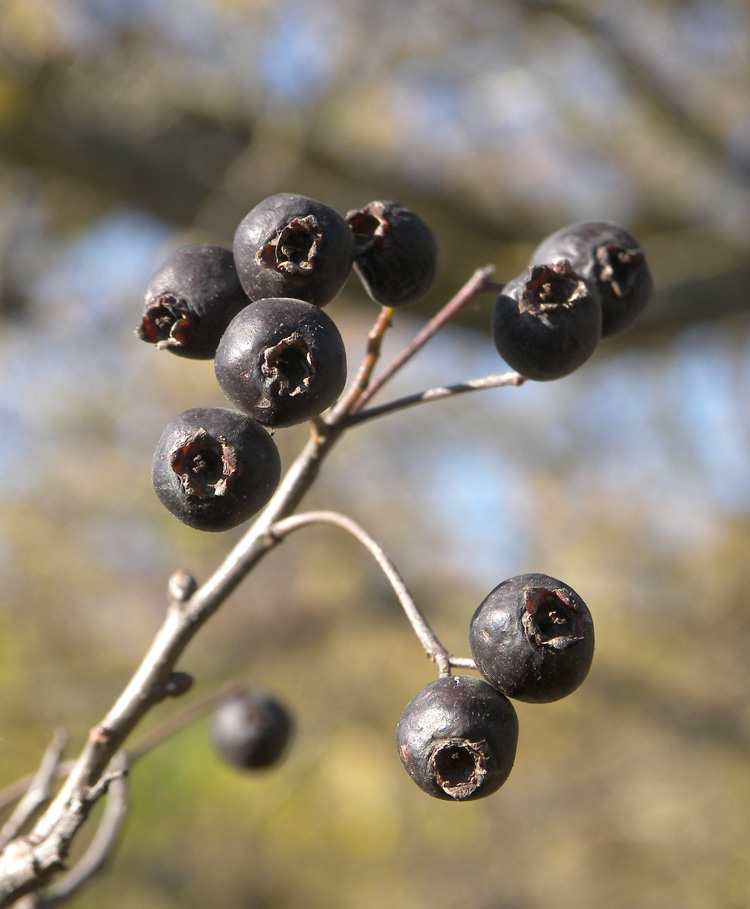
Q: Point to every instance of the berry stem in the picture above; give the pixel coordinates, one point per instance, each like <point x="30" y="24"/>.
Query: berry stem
<point x="435" y="394"/>
<point x="432" y="646"/>
<point x="477" y="284"/>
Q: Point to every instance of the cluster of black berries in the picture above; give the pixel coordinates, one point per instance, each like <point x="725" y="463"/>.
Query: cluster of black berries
<point x="585" y="282"/>
<point x="278" y="357"/>
<point x="532" y="639"/>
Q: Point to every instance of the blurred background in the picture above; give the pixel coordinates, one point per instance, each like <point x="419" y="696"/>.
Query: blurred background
<point x="131" y="127"/>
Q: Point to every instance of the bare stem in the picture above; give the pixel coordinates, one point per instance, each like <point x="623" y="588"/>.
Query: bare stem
<point x="476" y="285"/>
<point x="435" y="394"/>
<point x="432" y="646"/>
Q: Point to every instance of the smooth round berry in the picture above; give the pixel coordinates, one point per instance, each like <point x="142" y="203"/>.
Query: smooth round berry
<point x="532" y="638"/>
<point x="457" y="738"/>
<point x="250" y="729"/>
<point x="396" y="254"/>
<point x="546" y="322"/>
<point x="292" y="246"/>
<point x="607" y="256"/>
<point x="214" y="468"/>
<point x="282" y="361"/>
<point x="190" y="299"/>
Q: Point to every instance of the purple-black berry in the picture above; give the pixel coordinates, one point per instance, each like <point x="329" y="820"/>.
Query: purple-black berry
<point x="250" y="730"/>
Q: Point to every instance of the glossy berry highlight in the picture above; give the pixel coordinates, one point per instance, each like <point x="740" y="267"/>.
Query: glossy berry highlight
<point x="396" y="254"/>
<point x="189" y="301"/>
<point x="214" y="468"/>
<point x="547" y="322"/>
<point x="282" y="361"/>
<point x="250" y="730"/>
<point x="292" y="246"/>
<point x="611" y="260"/>
<point x="532" y="638"/>
<point x="457" y="738"/>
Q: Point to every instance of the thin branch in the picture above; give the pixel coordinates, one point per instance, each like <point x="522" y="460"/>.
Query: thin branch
<point x="432" y="646"/>
<point x="104" y="840"/>
<point x="38" y="790"/>
<point x="435" y="394"/>
<point x="477" y="284"/>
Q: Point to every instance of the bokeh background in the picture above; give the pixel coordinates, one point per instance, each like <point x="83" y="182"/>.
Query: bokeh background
<point x="130" y="127"/>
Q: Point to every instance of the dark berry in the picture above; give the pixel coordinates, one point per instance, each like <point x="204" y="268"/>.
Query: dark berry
<point x="457" y="738"/>
<point x="292" y="246"/>
<point x="190" y="299"/>
<point x="607" y="256"/>
<point x="250" y="729"/>
<point x="214" y="468"/>
<point x="282" y="361"/>
<point x="533" y="638"/>
<point x="396" y="254"/>
<point x="546" y="322"/>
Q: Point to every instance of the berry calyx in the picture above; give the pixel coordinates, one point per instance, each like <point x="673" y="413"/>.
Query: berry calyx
<point x="546" y="322"/>
<point x="189" y="301"/>
<point x="282" y="361"/>
<point x="292" y="246"/>
<point x="611" y="260"/>
<point x="396" y="254"/>
<point x="457" y="738"/>
<point x="532" y="638"/>
<point x="214" y="468"/>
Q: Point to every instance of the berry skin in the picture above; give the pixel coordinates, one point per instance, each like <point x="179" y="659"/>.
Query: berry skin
<point x="396" y="254"/>
<point x="457" y="738"/>
<point x="214" y="468"/>
<point x="190" y="299"/>
<point x="533" y="638"/>
<point x="250" y="730"/>
<point x="292" y="246"/>
<point x="609" y="258"/>
<point x="546" y="322"/>
<point x="282" y="361"/>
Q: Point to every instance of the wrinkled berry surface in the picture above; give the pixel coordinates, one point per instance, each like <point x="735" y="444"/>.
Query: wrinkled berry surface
<point x="607" y="256"/>
<point x="457" y="738"/>
<point x="292" y="246"/>
<point x="282" y="361"/>
<point x="532" y="638"/>
<point x="396" y="254"/>
<point x="214" y="468"/>
<point x="250" y="730"/>
<point x="546" y="322"/>
<point x="190" y="299"/>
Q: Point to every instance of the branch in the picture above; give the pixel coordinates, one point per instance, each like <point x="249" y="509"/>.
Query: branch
<point x="435" y="394"/>
<point x="432" y="646"/>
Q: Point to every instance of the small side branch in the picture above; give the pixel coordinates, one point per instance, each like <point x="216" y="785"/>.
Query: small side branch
<point x="432" y="646"/>
<point x="440" y="393"/>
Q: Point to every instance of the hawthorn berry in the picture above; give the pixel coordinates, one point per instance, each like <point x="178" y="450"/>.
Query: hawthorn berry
<point x="546" y="322"/>
<point x="532" y="638"/>
<point x="250" y="729"/>
<point x="190" y="299"/>
<point x="282" y="361"/>
<point x="610" y="259"/>
<point x="214" y="468"/>
<point x="457" y="738"/>
<point x="292" y="246"/>
<point x="396" y="254"/>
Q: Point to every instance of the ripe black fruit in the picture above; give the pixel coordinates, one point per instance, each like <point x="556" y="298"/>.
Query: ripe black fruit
<point x="608" y="257"/>
<point x="396" y="254"/>
<point x="214" y="468"/>
<point x="282" y="361"/>
<point x="546" y="322"/>
<point x="190" y="299"/>
<point x="250" y="729"/>
<point x="292" y="246"/>
<point x="533" y="638"/>
<point x="457" y="738"/>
